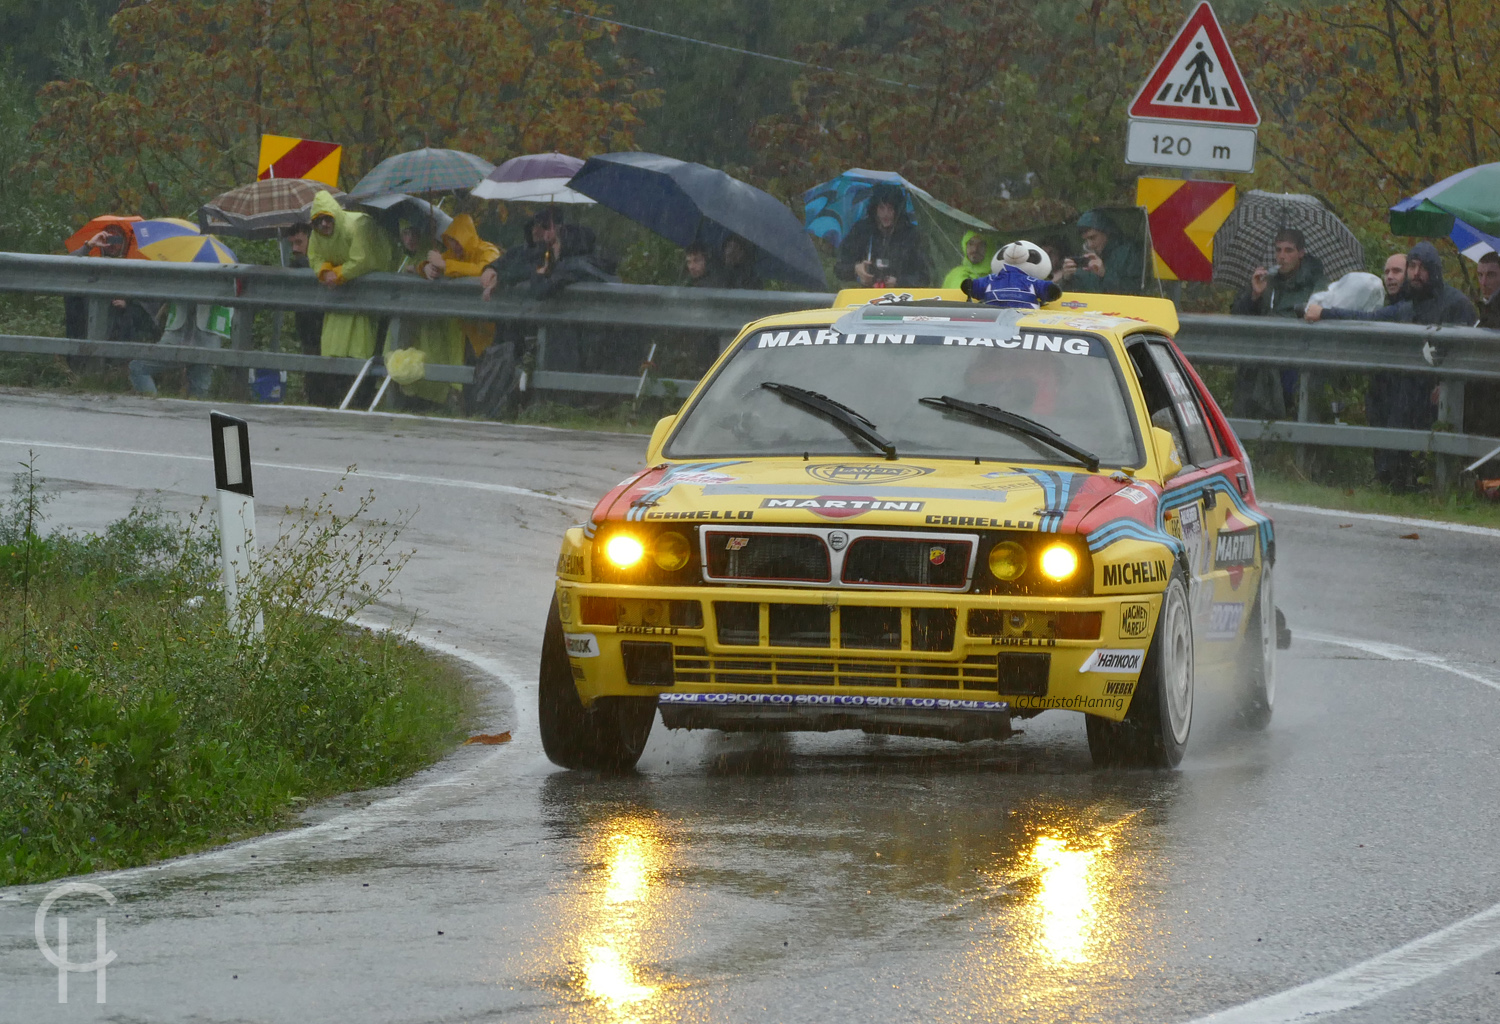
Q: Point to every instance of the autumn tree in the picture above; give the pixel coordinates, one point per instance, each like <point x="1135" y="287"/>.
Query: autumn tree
<point x="1365" y="103"/>
<point x="196" y="84"/>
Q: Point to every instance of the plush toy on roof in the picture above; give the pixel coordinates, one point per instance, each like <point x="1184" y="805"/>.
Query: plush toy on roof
<point x="1018" y="279"/>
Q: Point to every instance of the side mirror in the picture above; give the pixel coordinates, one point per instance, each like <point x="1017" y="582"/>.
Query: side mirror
<point x="658" y="438"/>
<point x="1167" y="458"/>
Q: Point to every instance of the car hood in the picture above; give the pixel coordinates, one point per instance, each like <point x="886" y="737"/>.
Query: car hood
<point x="905" y="492"/>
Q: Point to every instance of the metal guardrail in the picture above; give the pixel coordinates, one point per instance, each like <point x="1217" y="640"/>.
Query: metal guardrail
<point x="1449" y="355"/>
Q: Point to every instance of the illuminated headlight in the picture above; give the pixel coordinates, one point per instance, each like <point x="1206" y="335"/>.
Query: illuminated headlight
<point x="1007" y="560"/>
<point x="623" y="551"/>
<point x="1059" y="562"/>
<point x="672" y="551"/>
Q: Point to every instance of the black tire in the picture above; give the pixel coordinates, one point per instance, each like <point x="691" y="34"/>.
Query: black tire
<point x="609" y="736"/>
<point x="1155" y="730"/>
<point x="1257" y="672"/>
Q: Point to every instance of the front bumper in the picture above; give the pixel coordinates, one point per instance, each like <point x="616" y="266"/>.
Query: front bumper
<point x="948" y="647"/>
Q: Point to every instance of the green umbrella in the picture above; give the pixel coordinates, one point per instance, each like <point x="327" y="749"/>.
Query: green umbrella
<point x="423" y="172"/>
<point x="1472" y="196"/>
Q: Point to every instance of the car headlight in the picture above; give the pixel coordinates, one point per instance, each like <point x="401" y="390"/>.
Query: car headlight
<point x="1059" y="562"/>
<point x="623" y="550"/>
<point x="1007" y="560"/>
<point x="672" y="551"/>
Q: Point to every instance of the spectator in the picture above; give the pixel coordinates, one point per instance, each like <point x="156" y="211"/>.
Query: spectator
<point x="569" y="255"/>
<point x="129" y="320"/>
<point x="346" y="245"/>
<point x="320" y="388"/>
<point x="1263" y="392"/>
<point x="695" y="270"/>
<point x="1425" y="299"/>
<point x="1489" y="290"/>
<point x="1482" y="398"/>
<point x="188" y="325"/>
<point x="737" y="265"/>
<point x="515" y="266"/>
<point x="1394" y="275"/>
<point x="465" y="254"/>
<point x="1109" y="264"/>
<point x="976" y="261"/>
<point x="439" y="340"/>
<point x="884" y="249"/>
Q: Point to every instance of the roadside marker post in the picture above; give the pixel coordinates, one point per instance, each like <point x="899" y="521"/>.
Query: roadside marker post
<point x="236" y="489"/>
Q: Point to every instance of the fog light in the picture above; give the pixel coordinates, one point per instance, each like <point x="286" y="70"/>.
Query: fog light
<point x="623" y="550"/>
<point x="1007" y="560"/>
<point x="1059" y="562"/>
<point x="672" y="551"/>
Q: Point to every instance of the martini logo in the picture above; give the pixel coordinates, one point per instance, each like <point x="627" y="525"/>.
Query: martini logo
<point x="865" y="473"/>
<point x="835" y="506"/>
<point x="1235" y="549"/>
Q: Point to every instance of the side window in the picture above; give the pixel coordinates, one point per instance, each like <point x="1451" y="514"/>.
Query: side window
<point x="1200" y="447"/>
<point x="1158" y="398"/>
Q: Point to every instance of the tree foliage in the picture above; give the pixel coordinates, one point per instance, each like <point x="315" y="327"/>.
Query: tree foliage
<point x="1368" y="102"/>
<point x="196" y="84"/>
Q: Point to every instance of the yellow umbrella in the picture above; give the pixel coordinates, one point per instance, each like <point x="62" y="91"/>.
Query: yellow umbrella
<point x="175" y="240"/>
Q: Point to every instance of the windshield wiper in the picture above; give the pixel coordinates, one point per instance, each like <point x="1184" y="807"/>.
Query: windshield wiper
<point x="836" y="411"/>
<point x="1019" y="424"/>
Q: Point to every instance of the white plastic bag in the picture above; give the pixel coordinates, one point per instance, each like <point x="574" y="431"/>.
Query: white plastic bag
<point x="1355" y="290"/>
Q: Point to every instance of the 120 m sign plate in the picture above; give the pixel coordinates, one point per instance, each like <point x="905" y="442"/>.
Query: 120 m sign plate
<point x="1182" y="144"/>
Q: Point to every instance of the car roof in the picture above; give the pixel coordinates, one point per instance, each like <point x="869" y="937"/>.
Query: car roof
<point x="1109" y="315"/>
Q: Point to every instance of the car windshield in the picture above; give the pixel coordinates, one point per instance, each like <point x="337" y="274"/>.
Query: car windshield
<point x="1066" y="381"/>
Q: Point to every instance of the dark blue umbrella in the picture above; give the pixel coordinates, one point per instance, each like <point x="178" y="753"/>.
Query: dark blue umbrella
<point x="686" y="203"/>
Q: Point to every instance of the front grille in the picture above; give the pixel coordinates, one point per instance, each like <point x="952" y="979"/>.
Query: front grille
<point x="899" y="562"/>
<point x="978" y="672"/>
<point x="746" y="555"/>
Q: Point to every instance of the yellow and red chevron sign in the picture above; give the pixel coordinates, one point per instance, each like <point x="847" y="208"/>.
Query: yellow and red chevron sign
<point x="1184" y="216"/>
<point x="282" y="156"/>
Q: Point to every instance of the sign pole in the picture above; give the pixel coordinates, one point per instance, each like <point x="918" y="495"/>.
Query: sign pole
<point x="236" y="493"/>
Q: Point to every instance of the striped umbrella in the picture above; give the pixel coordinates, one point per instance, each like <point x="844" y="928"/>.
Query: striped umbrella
<point x="261" y="208"/>
<point x="424" y="171"/>
<point x="1246" y="240"/>
<point x="175" y="240"/>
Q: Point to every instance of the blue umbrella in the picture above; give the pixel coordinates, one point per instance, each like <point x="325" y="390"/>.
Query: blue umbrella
<point x="686" y="203"/>
<point x="835" y="206"/>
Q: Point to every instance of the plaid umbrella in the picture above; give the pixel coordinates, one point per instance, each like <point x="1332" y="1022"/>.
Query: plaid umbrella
<point x="424" y="171"/>
<point x="174" y="240"/>
<point x="1246" y="240"/>
<point x="261" y="208"/>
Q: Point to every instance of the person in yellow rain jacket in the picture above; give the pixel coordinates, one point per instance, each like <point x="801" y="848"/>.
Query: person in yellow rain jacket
<point x="465" y="254"/>
<point x="346" y="245"/>
<point x="439" y="340"/>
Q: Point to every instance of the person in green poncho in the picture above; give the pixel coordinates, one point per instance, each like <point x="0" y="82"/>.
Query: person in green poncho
<point x="976" y="260"/>
<point x="439" y="341"/>
<point x="346" y="245"/>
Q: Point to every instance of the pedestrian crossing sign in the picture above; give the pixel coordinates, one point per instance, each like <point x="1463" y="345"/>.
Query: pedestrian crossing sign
<point x="1197" y="80"/>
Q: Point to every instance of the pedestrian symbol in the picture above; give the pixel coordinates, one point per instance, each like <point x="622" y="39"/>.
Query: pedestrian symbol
<point x="1196" y="79"/>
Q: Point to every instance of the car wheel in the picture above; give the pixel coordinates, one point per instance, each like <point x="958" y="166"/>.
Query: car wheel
<point x="1155" y="730"/>
<point x="609" y="736"/>
<point x="1257" y="673"/>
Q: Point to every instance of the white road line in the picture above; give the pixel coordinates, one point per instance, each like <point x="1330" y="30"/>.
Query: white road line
<point x="1375" y="517"/>
<point x="1419" y="960"/>
<point x="355" y="823"/>
<point x="363" y="474"/>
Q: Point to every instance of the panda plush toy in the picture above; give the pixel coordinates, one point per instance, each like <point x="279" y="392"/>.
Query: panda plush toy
<point x="1018" y="279"/>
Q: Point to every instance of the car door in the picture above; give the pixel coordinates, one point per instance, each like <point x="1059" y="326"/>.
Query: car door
<point x="1229" y="570"/>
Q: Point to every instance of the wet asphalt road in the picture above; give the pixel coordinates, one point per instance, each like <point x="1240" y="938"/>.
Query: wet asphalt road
<point x="812" y="878"/>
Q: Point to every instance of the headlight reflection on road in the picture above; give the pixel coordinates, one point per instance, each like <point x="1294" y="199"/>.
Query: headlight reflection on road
<point x="619" y="918"/>
<point x="1065" y="904"/>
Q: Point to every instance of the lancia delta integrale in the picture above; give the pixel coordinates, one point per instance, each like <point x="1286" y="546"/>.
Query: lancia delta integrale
<point x="923" y="518"/>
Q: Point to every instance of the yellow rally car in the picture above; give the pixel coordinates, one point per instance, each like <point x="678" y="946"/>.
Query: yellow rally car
<point x="925" y="517"/>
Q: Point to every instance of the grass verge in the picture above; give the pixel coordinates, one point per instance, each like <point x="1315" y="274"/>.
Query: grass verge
<point x="134" y="725"/>
<point x="1457" y="507"/>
